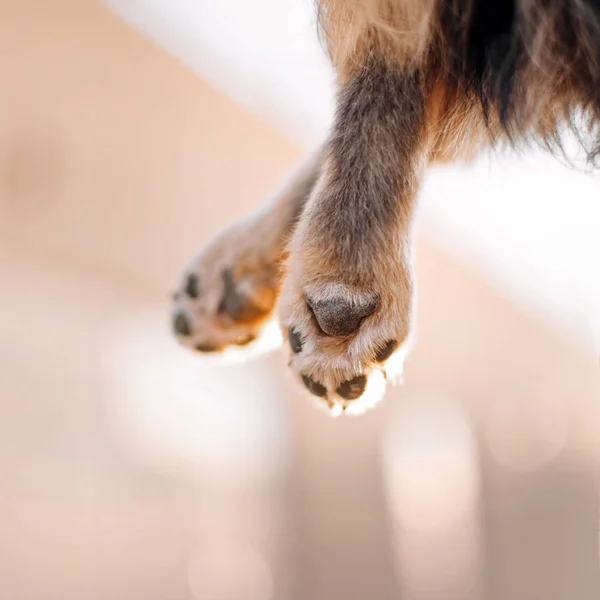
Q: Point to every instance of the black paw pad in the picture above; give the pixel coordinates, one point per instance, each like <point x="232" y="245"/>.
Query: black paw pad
<point x="386" y="351"/>
<point x="353" y="388"/>
<point x="236" y="305"/>
<point x="192" y="286"/>
<point x="314" y="387"/>
<point x="181" y="324"/>
<point x="340" y="316"/>
<point x="206" y="348"/>
<point x="295" y="340"/>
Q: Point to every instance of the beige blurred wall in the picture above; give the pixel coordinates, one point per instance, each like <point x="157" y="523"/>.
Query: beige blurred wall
<point x="103" y="153"/>
<point x="116" y="163"/>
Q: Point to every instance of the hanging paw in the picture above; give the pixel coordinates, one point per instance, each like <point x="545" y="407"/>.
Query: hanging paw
<point x="227" y="294"/>
<point x="347" y="336"/>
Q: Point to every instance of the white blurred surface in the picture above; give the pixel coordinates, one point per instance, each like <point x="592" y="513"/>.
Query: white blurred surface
<point x="182" y="412"/>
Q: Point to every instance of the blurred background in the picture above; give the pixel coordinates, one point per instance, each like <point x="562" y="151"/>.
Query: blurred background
<point x="130" y="132"/>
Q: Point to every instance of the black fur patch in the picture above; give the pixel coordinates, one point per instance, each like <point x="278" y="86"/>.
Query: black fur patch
<point x="525" y="58"/>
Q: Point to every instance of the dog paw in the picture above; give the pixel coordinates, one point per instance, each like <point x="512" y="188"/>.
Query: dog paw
<point x="347" y="335"/>
<point x="226" y="297"/>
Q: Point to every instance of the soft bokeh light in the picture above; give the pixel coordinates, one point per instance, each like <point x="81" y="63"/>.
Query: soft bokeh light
<point x="442" y="566"/>
<point x="177" y="410"/>
<point x="229" y="570"/>
<point x="430" y="466"/>
<point x="431" y="473"/>
<point x="525" y="432"/>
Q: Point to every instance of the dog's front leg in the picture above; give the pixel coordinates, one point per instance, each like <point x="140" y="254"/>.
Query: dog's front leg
<point x="348" y="295"/>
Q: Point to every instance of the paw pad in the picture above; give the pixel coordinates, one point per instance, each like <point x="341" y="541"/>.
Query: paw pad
<point x="295" y="341"/>
<point x="206" y="348"/>
<point x="353" y="388"/>
<point x="314" y="387"/>
<point x="386" y="351"/>
<point x="339" y="316"/>
<point x="244" y="341"/>
<point x="192" y="286"/>
<point x="181" y="324"/>
<point x="238" y="306"/>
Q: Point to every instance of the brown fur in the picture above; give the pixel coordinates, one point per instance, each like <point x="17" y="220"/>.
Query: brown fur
<point x="550" y="71"/>
<point x="418" y="81"/>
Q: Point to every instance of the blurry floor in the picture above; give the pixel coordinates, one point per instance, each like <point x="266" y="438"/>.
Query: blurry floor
<point x="131" y="470"/>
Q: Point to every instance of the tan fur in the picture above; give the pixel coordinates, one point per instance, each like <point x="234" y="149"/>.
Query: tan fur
<point x="253" y="249"/>
<point x="349" y="27"/>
